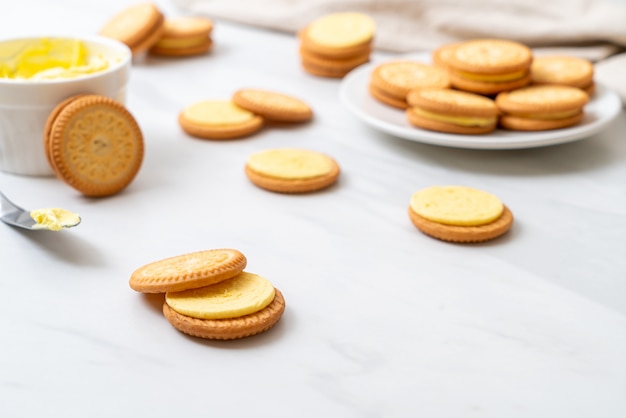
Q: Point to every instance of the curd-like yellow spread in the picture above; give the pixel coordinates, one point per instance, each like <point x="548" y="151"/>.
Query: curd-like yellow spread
<point x="48" y="58"/>
<point x="54" y="219"/>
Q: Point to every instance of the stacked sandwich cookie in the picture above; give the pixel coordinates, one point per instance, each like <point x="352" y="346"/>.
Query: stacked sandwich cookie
<point x="333" y="45"/>
<point x="391" y="82"/>
<point x="539" y="108"/>
<point x="208" y="295"/>
<point x="563" y="70"/>
<point x="184" y="36"/>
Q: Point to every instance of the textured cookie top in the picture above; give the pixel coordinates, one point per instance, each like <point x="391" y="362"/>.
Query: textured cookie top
<point x="490" y="56"/>
<point x="243" y="294"/>
<point x="398" y="77"/>
<point x="188" y="271"/>
<point x="134" y="24"/>
<point x="94" y="144"/>
<point x="216" y="113"/>
<point x="452" y="102"/>
<point x="274" y="106"/>
<point x="566" y="70"/>
<point x="187" y="27"/>
<point x="290" y="163"/>
<point x="340" y="30"/>
<point x="456" y="205"/>
<point x="540" y="99"/>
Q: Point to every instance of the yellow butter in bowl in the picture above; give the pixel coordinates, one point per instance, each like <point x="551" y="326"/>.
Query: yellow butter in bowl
<point x="48" y="58"/>
<point x="54" y="219"/>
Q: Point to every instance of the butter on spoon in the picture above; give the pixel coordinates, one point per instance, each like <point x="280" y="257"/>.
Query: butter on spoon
<point x="54" y="219"/>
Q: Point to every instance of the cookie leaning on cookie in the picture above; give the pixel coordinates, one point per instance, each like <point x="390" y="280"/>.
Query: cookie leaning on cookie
<point x="459" y="214"/>
<point x="93" y="144"/>
<point x="208" y="295"/>
<point x="273" y="106"/>
<point x="138" y="26"/>
<point x="218" y="119"/>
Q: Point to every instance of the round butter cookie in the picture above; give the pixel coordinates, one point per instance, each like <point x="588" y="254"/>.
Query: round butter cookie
<point x="93" y="144"/>
<point x="327" y="72"/>
<point x="184" y="36"/>
<point x="397" y="78"/>
<point x="383" y="97"/>
<point x="562" y="70"/>
<point x="289" y="170"/>
<point x="273" y="106"/>
<point x="139" y="26"/>
<point x="543" y="107"/>
<point x="338" y="34"/>
<point x="451" y="111"/>
<point x="229" y="328"/>
<point x="341" y="65"/>
<point x="441" y="56"/>
<point x="218" y="119"/>
<point x="459" y="214"/>
<point x="188" y="271"/>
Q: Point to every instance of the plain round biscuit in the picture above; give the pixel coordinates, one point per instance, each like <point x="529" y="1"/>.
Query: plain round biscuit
<point x="188" y="271"/>
<point x="323" y="71"/>
<point x="199" y="49"/>
<point x="562" y="70"/>
<point x="379" y="95"/>
<point x="441" y="55"/>
<point x="397" y="78"/>
<point x="138" y="26"/>
<point x="329" y="52"/>
<point x="541" y="99"/>
<point x="490" y="56"/>
<point x="95" y="145"/>
<point x="439" y="126"/>
<point x="452" y="102"/>
<point x="336" y="63"/>
<point x="463" y="234"/>
<point x="516" y="123"/>
<point x="187" y="27"/>
<point x="486" y="87"/>
<point x="219" y="129"/>
<point x="273" y="106"/>
<point x="228" y="329"/>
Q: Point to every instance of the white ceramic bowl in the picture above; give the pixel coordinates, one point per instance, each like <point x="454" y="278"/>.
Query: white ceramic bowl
<point x="26" y="104"/>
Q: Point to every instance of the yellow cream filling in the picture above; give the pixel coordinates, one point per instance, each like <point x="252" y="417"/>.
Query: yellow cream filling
<point x="181" y="42"/>
<point x="44" y="58"/>
<point x="217" y="113"/>
<point x="456" y="205"/>
<point x="550" y="116"/>
<point x="241" y="295"/>
<point x="491" y="77"/>
<point x="457" y="120"/>
<point x="54" y="219"/>
<point x="289" y="163"/>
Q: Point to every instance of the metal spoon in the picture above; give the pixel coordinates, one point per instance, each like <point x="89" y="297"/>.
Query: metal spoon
<point x="14" y="215"/>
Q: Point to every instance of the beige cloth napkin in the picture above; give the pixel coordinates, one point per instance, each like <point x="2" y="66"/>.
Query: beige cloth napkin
<point x="594" y="29"/>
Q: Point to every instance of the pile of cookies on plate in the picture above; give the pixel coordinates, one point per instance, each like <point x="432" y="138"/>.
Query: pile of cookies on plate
<point x="475" y="86"/>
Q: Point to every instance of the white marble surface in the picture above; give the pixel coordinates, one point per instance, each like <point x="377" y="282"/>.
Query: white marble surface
<point x="381" y="320"/>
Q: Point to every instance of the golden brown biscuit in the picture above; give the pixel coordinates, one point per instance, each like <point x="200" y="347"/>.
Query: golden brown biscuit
<point x="562" y="70"/>
<point x="273" y="106"/>
<point x="382" y="97"/>
<point x="397" y="78"/>
<point x="188" y="271"/>
<point x="139" y="26"/>
<point x="94" y="144"/>
<point x="184" y="36"/>
<point x="231" y="328"/>
<point x="339" y="34"/>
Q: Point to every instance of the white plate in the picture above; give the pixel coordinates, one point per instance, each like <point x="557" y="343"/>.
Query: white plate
<point x="604" y="106"/>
